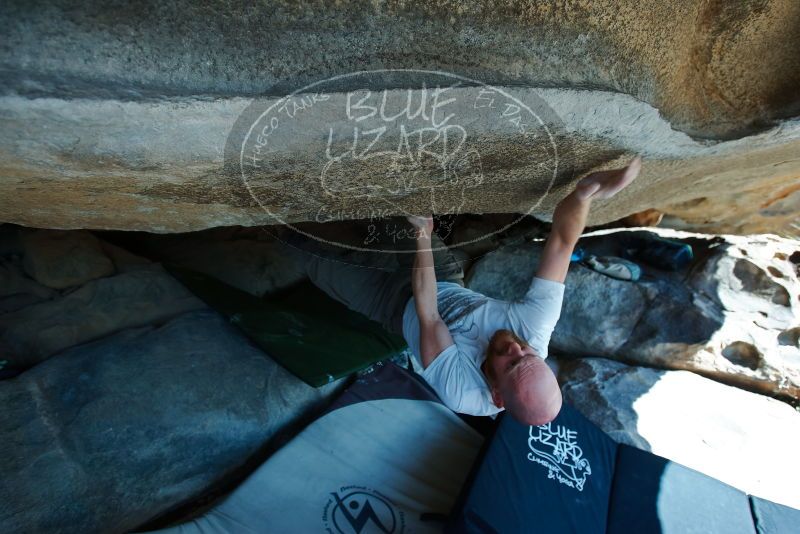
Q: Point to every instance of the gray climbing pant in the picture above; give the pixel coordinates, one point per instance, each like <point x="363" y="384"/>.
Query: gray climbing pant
<point x="375" y="284"/>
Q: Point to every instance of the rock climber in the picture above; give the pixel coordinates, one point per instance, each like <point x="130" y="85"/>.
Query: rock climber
<point x="481" y="355"/>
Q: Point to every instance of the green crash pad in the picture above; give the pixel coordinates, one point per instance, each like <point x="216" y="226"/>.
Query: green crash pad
<point x="315" y="337"/>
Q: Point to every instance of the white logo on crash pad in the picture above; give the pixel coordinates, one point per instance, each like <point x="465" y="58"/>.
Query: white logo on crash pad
<point x="556" y="448"/>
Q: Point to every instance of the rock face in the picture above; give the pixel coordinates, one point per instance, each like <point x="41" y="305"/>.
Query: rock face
<point x="63" y="259"/>
<point x="254" y="261"/>
<point x="697" y="62"/>
<point x="106" y="435"/>
<point x="98" y="308"/>
<point x="137" y="124"/>
<point x="17" y="290"/>
<point x="744" y="439"/>
<point x="733" y="321"/>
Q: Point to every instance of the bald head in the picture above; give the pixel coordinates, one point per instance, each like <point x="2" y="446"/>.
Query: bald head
<point x="531" y="393"/>
<point x="521" y="381"/>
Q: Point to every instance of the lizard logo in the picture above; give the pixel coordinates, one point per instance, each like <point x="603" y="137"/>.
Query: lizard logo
<point x="555" y="447"/>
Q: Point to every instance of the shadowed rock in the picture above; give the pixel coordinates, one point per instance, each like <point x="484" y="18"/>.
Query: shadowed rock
<point x="96" y="309"/>
<point x="17" y="290"/>
<point x="63" y="259"/>
<point x="259" y="263"/>
<point x="107" y="435"/>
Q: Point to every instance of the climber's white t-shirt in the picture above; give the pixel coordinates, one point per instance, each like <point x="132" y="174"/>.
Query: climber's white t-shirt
<point x="455" y="374"/>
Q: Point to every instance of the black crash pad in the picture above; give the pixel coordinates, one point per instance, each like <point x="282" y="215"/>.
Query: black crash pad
<point x="570" y="477"/>
<point x="553" y="478"/>
<point x="653" y="494"/>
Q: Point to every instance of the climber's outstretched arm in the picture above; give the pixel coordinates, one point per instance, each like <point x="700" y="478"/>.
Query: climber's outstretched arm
<point x="569" y="217"/>
<point x="434" y="335"/>
<point x="569" y="220"/>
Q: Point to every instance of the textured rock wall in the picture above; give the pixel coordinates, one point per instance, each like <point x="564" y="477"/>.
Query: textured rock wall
<point x="714" y="68"/>
<point x="118" y="117"/>
<point x="733" y="316"/>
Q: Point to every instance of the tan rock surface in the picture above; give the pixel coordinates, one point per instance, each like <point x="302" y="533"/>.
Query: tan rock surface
<point x="124" y="125"/>
<point x="72" y="164"/>
<point x="714" y="68"/>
